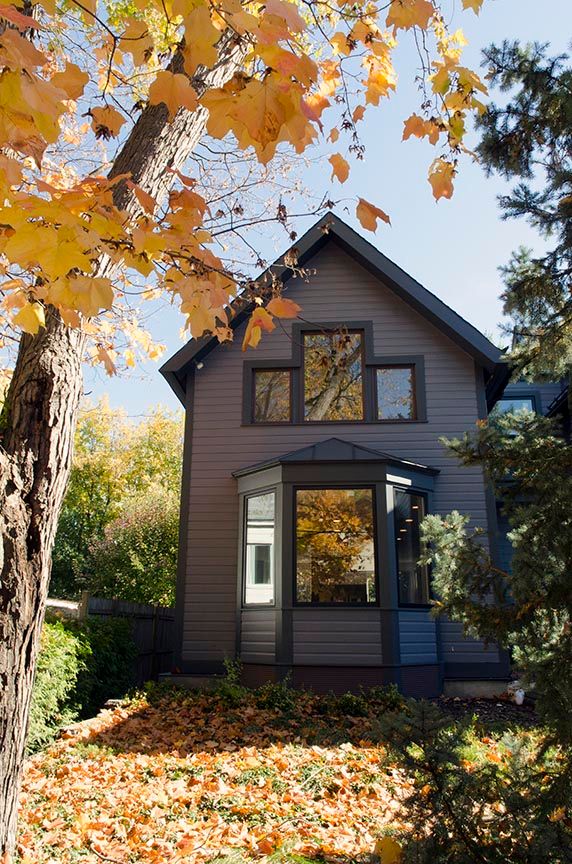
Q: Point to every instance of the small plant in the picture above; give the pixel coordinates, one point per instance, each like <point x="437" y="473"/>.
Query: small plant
<point x="230" y="690"/>
<point x="277" y="695"/>
<point x="386" y="698"/>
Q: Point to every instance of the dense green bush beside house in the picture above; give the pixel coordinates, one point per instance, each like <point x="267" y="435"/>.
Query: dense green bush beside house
<point x="81" y="664"/>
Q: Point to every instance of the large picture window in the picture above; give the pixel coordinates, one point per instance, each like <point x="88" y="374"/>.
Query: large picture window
<point x="395" y="388"/>
<point x="272" y="400"/>
<point x="259" y="549"/>
<point x="413" y="577"/>
<point x="333" y="376"/>
<point x="335" y="553"/>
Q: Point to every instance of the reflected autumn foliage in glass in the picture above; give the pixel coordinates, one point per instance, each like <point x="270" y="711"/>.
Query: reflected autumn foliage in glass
<point x="333" y="376"/>
<point x="335" y="558"/>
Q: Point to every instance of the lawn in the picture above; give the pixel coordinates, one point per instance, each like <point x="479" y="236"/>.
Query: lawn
<point x="181" y="777"/>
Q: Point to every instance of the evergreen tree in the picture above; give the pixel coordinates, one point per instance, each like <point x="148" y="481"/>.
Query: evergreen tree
<point x="529" y="139"/>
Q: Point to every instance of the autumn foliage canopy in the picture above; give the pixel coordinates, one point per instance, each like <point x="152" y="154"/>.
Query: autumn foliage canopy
<point x="75" y="77"/>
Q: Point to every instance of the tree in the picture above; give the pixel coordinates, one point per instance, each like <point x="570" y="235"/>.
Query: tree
<point x="117" y="467"/>
<point x="528" y="464"/>
<point x="76" y="243"/>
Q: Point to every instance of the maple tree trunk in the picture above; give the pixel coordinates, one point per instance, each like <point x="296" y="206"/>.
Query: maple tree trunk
<point x="36" y="438"/>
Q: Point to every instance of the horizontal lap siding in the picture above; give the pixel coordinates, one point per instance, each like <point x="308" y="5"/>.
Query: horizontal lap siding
<point x="457" y="648"/>
<point x="417" y="637"/>
<point x="340" y="290"/>
<point x="258" y="636"/>
<point x="337" y="637"/>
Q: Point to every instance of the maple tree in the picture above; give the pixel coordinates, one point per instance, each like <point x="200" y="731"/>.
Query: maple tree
<point x="156" y="77"/>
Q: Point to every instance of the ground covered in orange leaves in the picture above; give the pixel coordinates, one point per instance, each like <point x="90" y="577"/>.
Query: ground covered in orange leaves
<point x="178" y="777"/>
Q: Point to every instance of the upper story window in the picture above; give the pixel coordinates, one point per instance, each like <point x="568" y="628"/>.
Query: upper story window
<point x="272" y="395"/>
<point x="413" y="578"/>
<point x="395" y="390"/>
<point x="259" y="549"/>
<point x="335" y="557"/>
<point x="333" y="376"/>
<point x="514" y="405"/>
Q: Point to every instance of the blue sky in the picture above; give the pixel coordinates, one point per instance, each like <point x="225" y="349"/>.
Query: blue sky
<point x="453" y="247"/>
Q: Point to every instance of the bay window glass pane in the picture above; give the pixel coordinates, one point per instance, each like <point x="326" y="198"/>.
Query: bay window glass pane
<point x="395" y="393"/>
<point x="413" y="577"/>
<point x="259" y="552"/>
<point x="335" y="558"/>
<point x="333" y="376"/>
<point x="271" y="395"/>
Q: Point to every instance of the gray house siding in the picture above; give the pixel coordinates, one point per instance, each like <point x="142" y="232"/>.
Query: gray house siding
<point x="258" y="636"/>
<point x="340" y="290"/>
<point x="337" y="637"/>
<point x="417" y="637"/>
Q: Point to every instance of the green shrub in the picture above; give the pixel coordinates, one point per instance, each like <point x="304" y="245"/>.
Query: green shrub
<point x="81" y="664"/>
<point x="109" y="672"/>
<point x="63" y="655"/>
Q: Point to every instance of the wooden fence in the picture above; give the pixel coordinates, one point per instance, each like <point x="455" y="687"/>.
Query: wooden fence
<point x="153" y="630"/>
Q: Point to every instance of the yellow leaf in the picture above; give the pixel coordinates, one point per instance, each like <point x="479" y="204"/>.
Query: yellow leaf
<point x="72" y="80"/>
<point x="388" y="850"/>
<point x="475" y="5"/>
<point x="259" y="320"/>
<point x="202" y="37"/>
<point x="419" y="127"/>
<point x="174" y="90"/>
<point x="368" y="214"/>
<point x="31" y="317"/>
<point x="281" y="307"/>
<point x="359" y="111"/>
<point x="136" y="40"/>
<point x="147" y="201"/>
<point x="334" y="135"/>
<point x="22" y="22"/>
<point x="107" y="357"/>
<point x="288" y="12"/>
<point x="340" y="167"/>
<point x="404" y="14"/>
<point x="441" y="175"/>
<point x="106" y="122"/>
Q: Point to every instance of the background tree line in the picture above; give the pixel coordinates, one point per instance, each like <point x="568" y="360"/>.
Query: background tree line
<point x="118" y="530"/>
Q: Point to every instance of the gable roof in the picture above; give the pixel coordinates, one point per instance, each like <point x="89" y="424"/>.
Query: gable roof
<point x="335" y="450"/>
<point x="328" y="229"/>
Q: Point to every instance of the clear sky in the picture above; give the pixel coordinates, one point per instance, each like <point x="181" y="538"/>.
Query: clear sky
<point x="453" y="247"/>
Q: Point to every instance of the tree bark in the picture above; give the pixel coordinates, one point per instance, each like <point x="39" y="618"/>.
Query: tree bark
<point x="37" y="430"/>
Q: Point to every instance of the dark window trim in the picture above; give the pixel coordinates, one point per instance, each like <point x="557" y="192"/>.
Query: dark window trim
<point x="244" y="533"/>
<point x="422" y="493"/>
<point x="370" y="362"/>
<point x="252" y="409"/>
<point x="321" y="331"/>
<point x="297" y="604"/>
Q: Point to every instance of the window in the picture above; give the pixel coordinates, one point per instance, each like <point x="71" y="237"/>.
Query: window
<point x="413" y="577"/>
<point x="272" y="400"/>
<point x="335" y="558"/>
<point x="395" y="393"/>
<point x="514" y="405"/>
<point x="333" y="376"/>
<point x="259" y="552"/>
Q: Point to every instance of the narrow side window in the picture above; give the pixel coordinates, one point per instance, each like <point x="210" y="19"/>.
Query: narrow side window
<point x="413" y="577"/>
<point x="272" y="396"/>
<point x="259" y="549"/>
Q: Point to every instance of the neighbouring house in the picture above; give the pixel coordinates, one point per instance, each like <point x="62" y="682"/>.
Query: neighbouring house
<point x="309" y="463"/>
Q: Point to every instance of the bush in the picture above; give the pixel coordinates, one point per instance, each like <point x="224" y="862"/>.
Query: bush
<point x="81" y="665"/>
<point x="136" y="558"/>
<point x="277" y="695"/>
<point x="62" y="656"/>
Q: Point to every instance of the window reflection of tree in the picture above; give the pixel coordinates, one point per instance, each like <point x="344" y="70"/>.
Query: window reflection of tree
<point x="272" y="395"/>
<point x="395" y="393"/>
<point x="333" y="379"/>
<point x="334" y="544"/>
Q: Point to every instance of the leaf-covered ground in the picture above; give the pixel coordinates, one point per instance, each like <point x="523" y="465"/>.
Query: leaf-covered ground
<point x="180" y="777"/>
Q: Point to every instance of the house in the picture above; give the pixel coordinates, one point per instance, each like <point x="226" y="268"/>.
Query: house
<point x="309" y="463"/>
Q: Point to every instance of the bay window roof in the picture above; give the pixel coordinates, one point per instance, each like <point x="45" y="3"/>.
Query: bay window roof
<point x="338" y="451"/>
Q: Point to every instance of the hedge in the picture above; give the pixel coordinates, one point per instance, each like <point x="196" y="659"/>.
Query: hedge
<point x="81" y="665"/>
